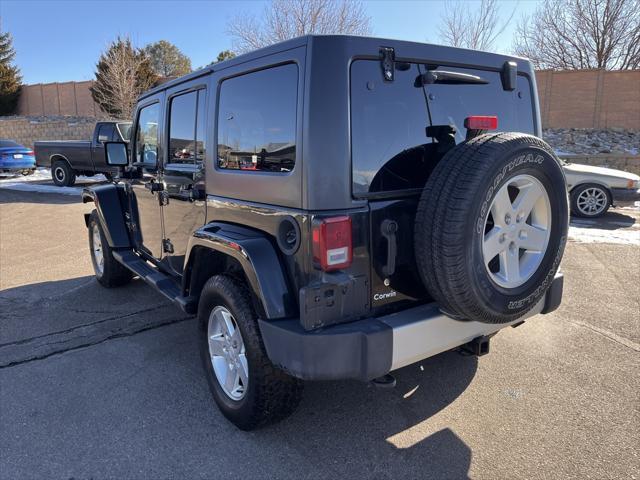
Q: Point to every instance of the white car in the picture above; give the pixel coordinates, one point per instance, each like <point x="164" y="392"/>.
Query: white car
<point x="594" y="189"/>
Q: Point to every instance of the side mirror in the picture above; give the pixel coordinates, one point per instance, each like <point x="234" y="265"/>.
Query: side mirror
<point x="116" y="154"/>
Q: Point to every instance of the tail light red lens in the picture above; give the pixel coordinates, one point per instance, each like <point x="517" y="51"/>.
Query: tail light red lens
<point x="332" y="248"/>
<point x="30" y="153"/>
<point x="481" y="122"/>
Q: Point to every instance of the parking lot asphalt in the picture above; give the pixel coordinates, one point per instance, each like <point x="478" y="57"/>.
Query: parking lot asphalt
<point x="98" y="383"/>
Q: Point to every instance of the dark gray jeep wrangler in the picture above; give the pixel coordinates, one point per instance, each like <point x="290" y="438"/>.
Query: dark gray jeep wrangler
<point x="336" y="207"/>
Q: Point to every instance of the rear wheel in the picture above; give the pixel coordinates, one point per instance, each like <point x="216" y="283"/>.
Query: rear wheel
<point x="249" y="390"/>
<point x="590" y="201"/>
<point x="491" y="227"/>
<point x="62" y="174"/>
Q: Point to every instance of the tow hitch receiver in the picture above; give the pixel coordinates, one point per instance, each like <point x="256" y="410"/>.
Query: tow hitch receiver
<point x="478" y="346"/>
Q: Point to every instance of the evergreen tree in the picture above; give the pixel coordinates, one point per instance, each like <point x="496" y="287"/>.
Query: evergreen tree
<point x="225" y="55"/>
<point x="122" y="74"/>
<point x="167" y="60"/>
<point x="10" y="79"/>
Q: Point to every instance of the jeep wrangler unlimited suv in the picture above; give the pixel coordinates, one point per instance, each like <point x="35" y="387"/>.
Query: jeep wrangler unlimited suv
<point x="336" y="207"/>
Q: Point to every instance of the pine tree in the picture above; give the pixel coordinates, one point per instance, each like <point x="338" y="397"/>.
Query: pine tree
<point x="167" y="60"/>
<point x="123" y="72"/>
<point x="225" y="55"/>
<point x="10" y="79"/>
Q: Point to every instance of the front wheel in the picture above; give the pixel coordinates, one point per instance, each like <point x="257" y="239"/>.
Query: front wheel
<point x="249" y="390"/>
<point x="109" y="272"/>
<point x="590" y="201"/>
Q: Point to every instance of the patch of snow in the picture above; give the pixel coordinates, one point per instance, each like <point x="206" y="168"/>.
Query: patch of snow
<point x="43" y="174"/>
<point x="40" y="188"/>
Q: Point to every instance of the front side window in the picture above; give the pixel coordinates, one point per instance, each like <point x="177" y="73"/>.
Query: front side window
<point x="257" y="121"/>
<point x="186" y="128"/>
<point x="147" y="135"/>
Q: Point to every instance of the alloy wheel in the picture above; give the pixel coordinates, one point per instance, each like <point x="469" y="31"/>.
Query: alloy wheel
<point x="517" y="231"/>
<point x="227" y="352"/>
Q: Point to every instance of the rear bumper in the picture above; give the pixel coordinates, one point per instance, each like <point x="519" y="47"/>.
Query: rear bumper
<point x="17" y="166"/>
<point x="625" y="196"/>
<point x="370" y="348"/>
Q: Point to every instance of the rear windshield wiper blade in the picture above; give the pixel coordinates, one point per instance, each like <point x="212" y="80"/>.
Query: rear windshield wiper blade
<point x="448" y="78"/>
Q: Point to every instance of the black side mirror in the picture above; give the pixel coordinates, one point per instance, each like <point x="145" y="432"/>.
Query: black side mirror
<point x="116" y="154"/>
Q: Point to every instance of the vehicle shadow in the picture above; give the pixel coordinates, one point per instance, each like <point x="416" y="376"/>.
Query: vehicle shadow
<point x="20" y="196"/>
<point x="612" y="220"/>
<point x="338" y="421"/>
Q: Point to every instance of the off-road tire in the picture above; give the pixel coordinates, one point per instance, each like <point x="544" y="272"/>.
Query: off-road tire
<point x="62" y="174"/>
<point x="575" y="193"/>
<point x="113" y="274"/>
<point x="272" y="394"/>
<point x="450" y="222"/>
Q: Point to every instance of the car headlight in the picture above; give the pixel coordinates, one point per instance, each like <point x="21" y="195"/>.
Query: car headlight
<point x="634" y="184"/>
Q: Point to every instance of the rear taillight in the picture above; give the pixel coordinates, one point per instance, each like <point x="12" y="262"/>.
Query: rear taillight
<point x="30" y="153"/>
<point x="481" y="122"/>
<point x="332" y="249"/>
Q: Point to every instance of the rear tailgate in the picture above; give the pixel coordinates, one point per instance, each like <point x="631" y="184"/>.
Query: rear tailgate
<point x="392" y="156"/>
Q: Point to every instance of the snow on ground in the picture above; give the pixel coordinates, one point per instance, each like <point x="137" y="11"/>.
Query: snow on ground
<point x="620" y="226"/>
<point x="36" y="182"/>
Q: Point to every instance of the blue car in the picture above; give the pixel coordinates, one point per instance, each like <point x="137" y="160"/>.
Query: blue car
<point x="16" y="158"/>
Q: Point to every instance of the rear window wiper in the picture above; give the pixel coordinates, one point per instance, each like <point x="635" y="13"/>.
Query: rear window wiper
<point x="444" y="77"/>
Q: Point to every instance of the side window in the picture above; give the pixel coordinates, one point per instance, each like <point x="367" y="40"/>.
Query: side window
<point x="186" y="128"/>
<point x="257" y="120"/>
<point x="105" y="133"/>
<point x="146" y="147"/>
<point x="182" y="128"/>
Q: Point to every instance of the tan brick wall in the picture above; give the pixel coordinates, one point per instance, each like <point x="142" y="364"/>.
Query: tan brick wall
<point x="26" y="130"/>
<point x="589" y="99"/>
<point x="69" y="98"/>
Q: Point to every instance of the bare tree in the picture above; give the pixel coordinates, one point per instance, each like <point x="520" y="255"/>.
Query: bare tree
<point x="468" y="28"/>
<point x="285" y="19"/>
<point x="576" y="34"/>
<point x="122" y="74"/>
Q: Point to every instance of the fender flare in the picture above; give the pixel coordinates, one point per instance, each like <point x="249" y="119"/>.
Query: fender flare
<point x="258" y="259"/>
<point x="109" y="200"/>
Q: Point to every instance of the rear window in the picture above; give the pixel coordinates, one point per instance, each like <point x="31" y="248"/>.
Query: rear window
<point x="8" y="144"/>
<point x="389" y="146"/>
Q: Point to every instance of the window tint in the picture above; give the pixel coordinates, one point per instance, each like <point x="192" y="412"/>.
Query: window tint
<point x="390" y="149"/>
<point x="147" y="135"/>
<point x="257" y="120"/>
<point x="186" y="128"/>
<point x="182" y="128"/>
<point x="8" y="143"/>
<point x="106" y="131"/>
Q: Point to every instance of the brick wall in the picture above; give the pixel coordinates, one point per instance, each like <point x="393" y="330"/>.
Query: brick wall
<point x="589" y="99"/>
<point x="68" y="98"/>
<point x="26" y="130"/>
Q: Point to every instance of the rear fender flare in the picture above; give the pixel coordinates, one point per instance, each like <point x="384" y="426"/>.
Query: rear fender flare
<point x="109" y="201"/>
<point x="258" y="259"/>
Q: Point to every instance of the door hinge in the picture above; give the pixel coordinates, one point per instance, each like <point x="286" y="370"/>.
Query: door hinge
<point x="167" y="246"/>
<point x="387" y="61"/>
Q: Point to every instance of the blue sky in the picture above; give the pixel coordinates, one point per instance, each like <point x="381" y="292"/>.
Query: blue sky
<point x="58" y="41"/>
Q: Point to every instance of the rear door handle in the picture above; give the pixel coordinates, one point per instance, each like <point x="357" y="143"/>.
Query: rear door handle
<point x="388" y="230"/>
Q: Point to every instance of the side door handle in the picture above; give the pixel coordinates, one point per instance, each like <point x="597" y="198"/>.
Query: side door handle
<point x="154" y="186"/>
<point x="388" y="230"/>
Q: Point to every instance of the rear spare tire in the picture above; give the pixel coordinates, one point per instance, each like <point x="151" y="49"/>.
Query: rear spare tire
<point x="491" y="227"/>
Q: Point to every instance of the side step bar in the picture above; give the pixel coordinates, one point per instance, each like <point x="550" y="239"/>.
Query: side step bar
<point x="161" y="282"/>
